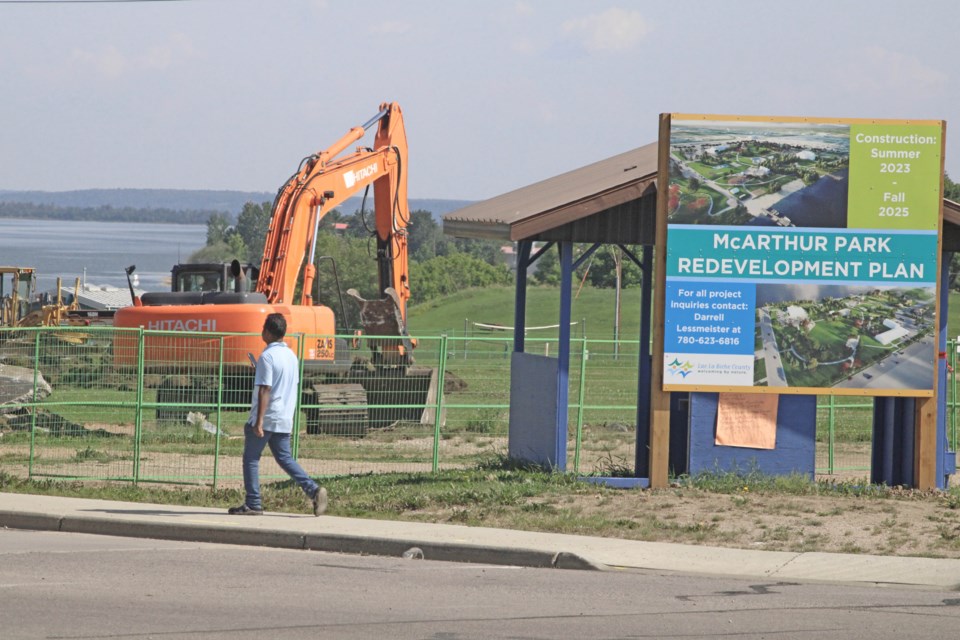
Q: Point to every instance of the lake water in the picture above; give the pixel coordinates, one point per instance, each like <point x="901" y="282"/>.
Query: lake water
<point x="98" y="251"/>
<point x="822" y="204"/>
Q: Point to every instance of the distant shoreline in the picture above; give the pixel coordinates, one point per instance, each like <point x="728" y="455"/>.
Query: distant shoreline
<point x="146" y="219"/>
<point x="173" y="206"/>
<point x="103" y="220"/>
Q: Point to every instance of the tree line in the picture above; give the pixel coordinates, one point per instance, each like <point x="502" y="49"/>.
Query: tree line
<point x="103" y="213"/>
<point x="439" y="265"/>
<point x="951" y="189"/>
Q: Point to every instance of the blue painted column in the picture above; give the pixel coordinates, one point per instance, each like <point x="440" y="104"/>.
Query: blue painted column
<point x="520" y="295"/>
<point x="892" y="450"/>
<point x="563" y="352"/>
<point x="642" y="455"/>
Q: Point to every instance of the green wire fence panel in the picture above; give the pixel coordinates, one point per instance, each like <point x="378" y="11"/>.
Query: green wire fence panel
<point x="193" y="400"/>
<point x="476" y="401"/>
<point x="372" y="414"/>
<point x="149" y="406"/>
<point x="844" y="434"/>
<point x="78" y="418"/>
<point x="603" y="407"/>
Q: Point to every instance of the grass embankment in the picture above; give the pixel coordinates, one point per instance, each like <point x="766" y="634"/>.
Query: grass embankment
<point x="592" y="309"/>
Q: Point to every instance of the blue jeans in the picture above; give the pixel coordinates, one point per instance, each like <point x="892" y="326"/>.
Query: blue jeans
<point x="280" y="447"/>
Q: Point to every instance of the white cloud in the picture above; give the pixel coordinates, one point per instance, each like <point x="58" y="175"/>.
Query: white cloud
<point x="391" y="27"/>
<point x="524" y="46"/>
<point x="613" y="30"/>
<point x="168" y="54"/>
<point x="111" y="62"/>
<point x="108" y="61"/>
<point x="523" y="9"/>
<point x="877" y="69"/>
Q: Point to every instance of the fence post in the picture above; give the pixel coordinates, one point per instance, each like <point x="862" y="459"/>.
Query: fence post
<point x="438" y="416"/>
<point x="831" y="423"/>
<point x="580" y="397"/>
<point x="295" y="437"/>
<point x="952" y="348"/>
<point x="36" y="382"/>
<point x="216" y="436"/>
<point x="138" y="420"/>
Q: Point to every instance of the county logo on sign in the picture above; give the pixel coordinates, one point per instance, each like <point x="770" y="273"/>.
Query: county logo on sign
<point x="679" y="369"/>
<point x="708" y="369"/>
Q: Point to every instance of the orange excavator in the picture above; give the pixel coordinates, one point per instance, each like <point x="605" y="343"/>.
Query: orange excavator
<point x="322" y="181"/>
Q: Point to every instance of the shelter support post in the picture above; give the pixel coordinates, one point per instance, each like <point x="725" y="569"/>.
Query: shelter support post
<point x="520" y="295"/>
<point x="563" y="352"/>
<point x="892" y="459"/>
<point x="642" y="455"/>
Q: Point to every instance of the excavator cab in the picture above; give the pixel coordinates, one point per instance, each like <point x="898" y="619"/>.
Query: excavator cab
<point x="217" y="276"/>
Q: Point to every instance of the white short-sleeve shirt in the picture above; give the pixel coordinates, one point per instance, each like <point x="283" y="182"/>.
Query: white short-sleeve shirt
<point x="278" y="369"/>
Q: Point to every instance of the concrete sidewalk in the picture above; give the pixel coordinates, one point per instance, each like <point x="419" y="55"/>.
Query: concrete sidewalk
<point x="462" y="544"/>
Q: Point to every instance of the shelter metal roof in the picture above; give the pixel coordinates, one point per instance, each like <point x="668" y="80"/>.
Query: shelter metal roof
<point x="530" y="211"/>
<point x="951" y="225"/>
<point x="613" y="200"/>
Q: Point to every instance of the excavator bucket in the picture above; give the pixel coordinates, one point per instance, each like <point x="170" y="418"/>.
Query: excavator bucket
<point x="383" y="318"/>
<point x="396" y="389"/>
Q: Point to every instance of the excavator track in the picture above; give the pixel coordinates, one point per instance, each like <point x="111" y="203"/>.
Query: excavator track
<point x="336" y="409"/>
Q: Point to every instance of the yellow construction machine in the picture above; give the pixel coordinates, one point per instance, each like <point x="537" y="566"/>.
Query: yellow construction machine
<point x="20" y="306"/>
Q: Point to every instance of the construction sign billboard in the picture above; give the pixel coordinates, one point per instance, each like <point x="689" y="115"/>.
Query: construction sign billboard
<point x="802" y="255"/>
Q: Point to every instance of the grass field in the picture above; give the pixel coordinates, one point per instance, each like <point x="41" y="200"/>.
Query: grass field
<point x="593" y="310"/>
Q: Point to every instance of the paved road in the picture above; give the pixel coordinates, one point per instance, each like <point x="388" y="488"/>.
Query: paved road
<point x="67" y="585"/>
<point x="776" y="377"/>
<point x="908" y="368"/>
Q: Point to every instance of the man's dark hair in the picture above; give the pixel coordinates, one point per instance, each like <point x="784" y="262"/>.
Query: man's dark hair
<point x="275" y="325"/>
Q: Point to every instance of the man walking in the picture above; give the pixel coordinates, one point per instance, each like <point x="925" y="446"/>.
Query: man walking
<point x="275" y="386"/>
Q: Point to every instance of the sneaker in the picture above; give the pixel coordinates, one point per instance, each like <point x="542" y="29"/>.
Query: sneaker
<point x="244" y="510"/>
<point x="319" y="501"/>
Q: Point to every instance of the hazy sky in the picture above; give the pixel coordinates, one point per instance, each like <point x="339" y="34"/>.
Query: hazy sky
<point x="231" y="94"/>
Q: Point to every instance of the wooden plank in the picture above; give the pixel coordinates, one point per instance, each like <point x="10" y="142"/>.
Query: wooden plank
<point x="660" y="399"/>
<point x="926" y="446"/>
<point x="925" y="449"/>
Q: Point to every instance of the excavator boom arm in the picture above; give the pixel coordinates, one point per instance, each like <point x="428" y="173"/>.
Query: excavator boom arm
<point x="322" y="182"/>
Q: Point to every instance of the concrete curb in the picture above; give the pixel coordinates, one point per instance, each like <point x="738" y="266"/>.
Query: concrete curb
<point x="458" y="543"/>
<point x="27" y="520"/>
<point x="333" y="543"/>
